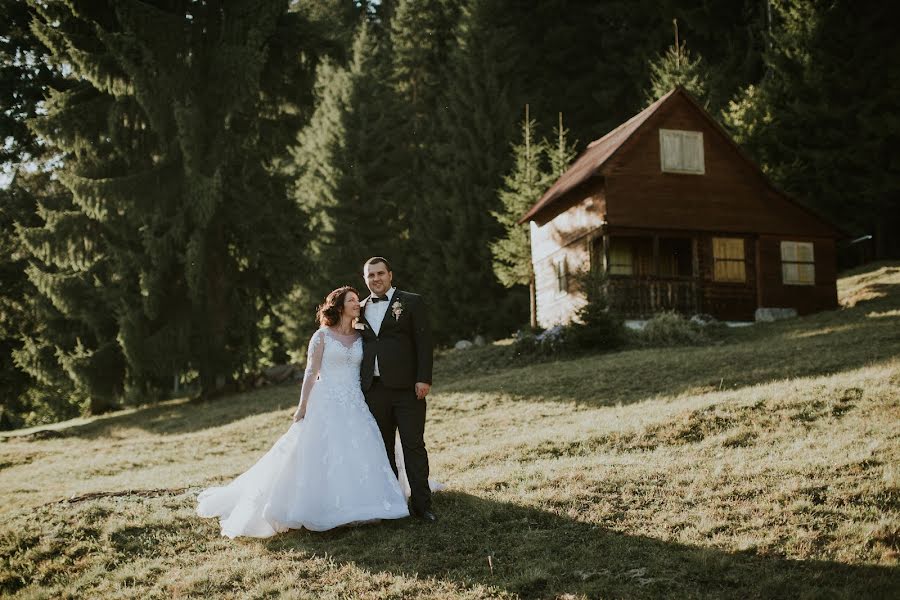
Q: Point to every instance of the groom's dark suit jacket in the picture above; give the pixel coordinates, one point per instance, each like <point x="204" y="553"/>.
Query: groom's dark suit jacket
<point x="403" y="344"/>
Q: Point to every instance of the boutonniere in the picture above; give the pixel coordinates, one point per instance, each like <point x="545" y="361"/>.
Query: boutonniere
<point x="396" y="309"/>
<point x="359" y="326"/>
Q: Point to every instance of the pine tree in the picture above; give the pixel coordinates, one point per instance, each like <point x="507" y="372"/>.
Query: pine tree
<point x="178" y="237"/>
<point x="521" y="189"/>
<point x="421" y="42"/>
<point x="562" y="152"/>
<point x="348" y="175"/>
<point x="538" y="163"/>
<point x="470" y="158"/>
<point x="25" y="75"/>
<point x="676" y="68"/>
<point x="822" y="121"/>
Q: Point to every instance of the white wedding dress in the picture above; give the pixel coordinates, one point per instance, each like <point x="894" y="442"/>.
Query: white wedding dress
<point x="328" y="470"/>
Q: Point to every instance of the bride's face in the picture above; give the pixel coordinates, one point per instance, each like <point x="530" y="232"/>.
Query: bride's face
<point x="351" y="305"/>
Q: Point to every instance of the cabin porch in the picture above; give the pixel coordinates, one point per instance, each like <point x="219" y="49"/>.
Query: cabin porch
<point x="686" y="272"/>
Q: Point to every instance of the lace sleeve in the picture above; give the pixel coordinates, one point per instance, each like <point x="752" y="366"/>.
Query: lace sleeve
<point x="313" y="364"/>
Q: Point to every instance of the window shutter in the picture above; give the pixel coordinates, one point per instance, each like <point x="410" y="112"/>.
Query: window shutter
<point x="692" y="150"/>
<point x="681" y="151"/>
<point x="729" y="260"/>
<point x="670" y="150"/>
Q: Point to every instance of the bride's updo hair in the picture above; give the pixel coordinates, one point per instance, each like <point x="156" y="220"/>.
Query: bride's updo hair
<point x="329" y="312"/>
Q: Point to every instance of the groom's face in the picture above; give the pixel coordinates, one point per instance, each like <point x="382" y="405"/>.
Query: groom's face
<point x="378" y="278"/>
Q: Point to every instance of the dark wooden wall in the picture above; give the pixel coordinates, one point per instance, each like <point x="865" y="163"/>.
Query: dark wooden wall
<point x="725" y="300"/>
<point x="805" y="298"/>
<point x="731" y="196"/>
<point x="630" y="195"/>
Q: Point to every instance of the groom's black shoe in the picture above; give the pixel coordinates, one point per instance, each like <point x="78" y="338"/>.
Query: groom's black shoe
<point x="426" y="515"/>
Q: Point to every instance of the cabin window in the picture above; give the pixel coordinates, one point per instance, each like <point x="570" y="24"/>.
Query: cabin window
<point x="621" y="259"/>
<point x="681" y="151"/>
<point x="631" y="256"/>
<point x="562" y="276"/>
<point x="729" y="263"/>
<point x="798" y="265"/>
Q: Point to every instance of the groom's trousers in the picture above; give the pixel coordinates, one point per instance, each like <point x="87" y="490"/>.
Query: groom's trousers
<point x="399" y="410"/>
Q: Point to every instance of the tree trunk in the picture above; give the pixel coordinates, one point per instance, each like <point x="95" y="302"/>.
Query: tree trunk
<point x="213" y="367"/>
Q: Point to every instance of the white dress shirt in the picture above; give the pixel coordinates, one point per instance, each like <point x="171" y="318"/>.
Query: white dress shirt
<point x="375" y="313"/>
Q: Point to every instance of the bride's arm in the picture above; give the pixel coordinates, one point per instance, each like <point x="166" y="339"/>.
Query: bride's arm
<point x="313" y="364"/>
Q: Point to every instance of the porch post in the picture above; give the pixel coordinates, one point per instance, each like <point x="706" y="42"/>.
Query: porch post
<point x="655" y="270"/>
<point x="605" y="257"/>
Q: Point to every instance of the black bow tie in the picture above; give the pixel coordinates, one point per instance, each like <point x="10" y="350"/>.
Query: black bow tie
<point x="379" y="298"/>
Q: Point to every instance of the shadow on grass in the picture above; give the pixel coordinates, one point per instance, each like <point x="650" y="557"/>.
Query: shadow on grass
<point x="817" y="345"/>
<point x="535" y="553"/>
<point x="183" y="416"/>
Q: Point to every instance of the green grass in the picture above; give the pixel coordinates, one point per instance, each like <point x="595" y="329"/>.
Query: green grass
<point x="766" y="465"/>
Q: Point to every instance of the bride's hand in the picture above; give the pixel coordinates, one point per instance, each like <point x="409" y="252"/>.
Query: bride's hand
<point x="299" y="414"/>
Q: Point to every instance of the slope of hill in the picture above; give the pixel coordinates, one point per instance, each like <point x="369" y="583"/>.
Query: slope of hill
<point x="765" y="466"/>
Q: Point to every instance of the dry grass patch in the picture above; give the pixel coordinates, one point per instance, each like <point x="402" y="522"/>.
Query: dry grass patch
<point x="767" y="466"/>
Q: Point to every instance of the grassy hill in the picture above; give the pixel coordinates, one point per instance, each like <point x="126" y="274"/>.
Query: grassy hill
<point x="767" y="465"/>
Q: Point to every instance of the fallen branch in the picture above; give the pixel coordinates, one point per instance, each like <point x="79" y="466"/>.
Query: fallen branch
<point x="140" y="493"/>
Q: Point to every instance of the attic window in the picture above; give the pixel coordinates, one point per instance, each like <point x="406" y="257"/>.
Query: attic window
<point x="681" y="151"/>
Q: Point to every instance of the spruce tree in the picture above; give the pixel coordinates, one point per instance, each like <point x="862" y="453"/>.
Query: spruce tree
<point x="561" y="151"/>
<point x="422" y="41"/>
<point x="674" y="68"/>
<point x="537" y="164"/>
<point x="470" y="159"/>
<point x="822" y="121"/>
<point x="348" y="178"/>
<point x="25" y="75"/>
<point x="521" y="189"/>
<point x="178" y="237"/>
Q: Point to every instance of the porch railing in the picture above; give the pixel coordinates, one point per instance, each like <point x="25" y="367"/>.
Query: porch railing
<point x="639" y="297"/>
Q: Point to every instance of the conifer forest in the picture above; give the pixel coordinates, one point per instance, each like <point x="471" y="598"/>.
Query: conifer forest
<point x="183" y="181"/>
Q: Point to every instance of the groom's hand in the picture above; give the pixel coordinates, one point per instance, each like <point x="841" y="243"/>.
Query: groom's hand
<point x="422" y="390"/>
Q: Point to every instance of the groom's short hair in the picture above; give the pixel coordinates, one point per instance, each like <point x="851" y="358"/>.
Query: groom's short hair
<point x="378" y="259"/>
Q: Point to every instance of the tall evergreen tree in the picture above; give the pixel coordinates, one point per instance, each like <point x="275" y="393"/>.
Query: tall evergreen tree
<point x="178" y="236"/>
<point x="422" y="41"/>
<point x="591" y="59"/>
<point x="469" y="161"/>
<point x="25" y="74"/>
<point x="676" y="67"/>
<point x="561" y="151"/>
<point x="347" y="173"/>
<point x="521" y="189"/>
<point x="822" y="122"/>
<point x="537" y="164"/>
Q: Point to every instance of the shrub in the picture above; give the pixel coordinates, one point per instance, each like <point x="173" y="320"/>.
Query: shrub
<point x="601" y="331"/>
<point x="672" y="329"/>
<point x="541" y="342"/>
<point x="596" y="328"/>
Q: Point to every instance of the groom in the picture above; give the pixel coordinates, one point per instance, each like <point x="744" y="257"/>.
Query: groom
<point x="396" y="374"/>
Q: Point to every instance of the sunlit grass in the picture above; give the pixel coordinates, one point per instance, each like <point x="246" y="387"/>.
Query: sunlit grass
<point x="767" y="465"/>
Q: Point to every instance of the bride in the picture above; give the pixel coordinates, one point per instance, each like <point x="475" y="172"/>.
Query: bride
<point x="330" y="468"/>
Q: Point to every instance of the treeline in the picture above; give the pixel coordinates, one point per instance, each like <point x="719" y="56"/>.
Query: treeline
<point x="186" y="180"/>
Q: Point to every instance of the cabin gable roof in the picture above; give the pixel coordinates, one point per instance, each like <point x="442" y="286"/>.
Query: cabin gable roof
<point x="598" y="158"/>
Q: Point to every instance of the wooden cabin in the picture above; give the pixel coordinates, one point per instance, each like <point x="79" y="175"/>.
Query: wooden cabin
<point x="679" y="218"/>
